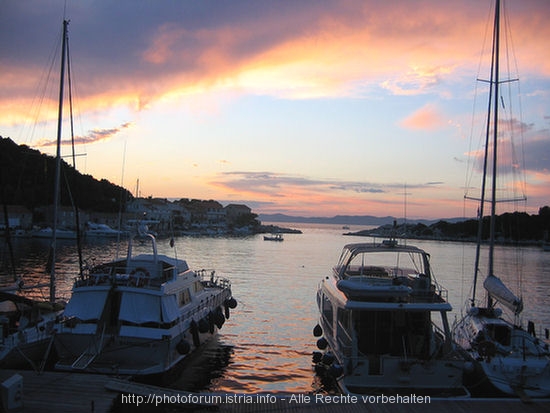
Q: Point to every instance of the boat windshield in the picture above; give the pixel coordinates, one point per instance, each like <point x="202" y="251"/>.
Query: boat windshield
<point x="385" y="263"/>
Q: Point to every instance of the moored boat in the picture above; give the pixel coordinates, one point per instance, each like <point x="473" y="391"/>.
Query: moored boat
<point x="60" y="233"/>
<point x="508" y="359"/>
<point x="274" y="237"/>
<point x="376" y="324"/>
<point x="95" y="230"/>
<point x="26" y="331"/>
<point x="141" y="315"/>
<point x="27" y="326"/>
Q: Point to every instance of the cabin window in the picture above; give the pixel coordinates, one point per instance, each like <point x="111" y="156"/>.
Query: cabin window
<point x="344" y="319"/>
<point x="184" y="297"/>
<point x="344" y="331"/>
<point x="198" y="286"/>
<point x="500" y="333"/>
<point x="393" y="332"/>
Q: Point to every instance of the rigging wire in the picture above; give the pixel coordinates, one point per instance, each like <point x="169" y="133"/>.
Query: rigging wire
<point x="75" y="206"/>
<point x="512" y="175"/>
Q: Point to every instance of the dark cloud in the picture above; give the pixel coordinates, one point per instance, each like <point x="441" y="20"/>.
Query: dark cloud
<point x="537" y="155"/>
<point x="533" y="154"/>
<point x="115" y="43"/>
<point x="93" y="136"/>
<point x="146" y="48"/>
<point x="276" y="183"/>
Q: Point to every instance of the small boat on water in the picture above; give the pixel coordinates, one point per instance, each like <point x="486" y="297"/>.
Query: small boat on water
<point x="60" y="233"/>
<point x="95" y="230"/>
<point x="376" y="329"/>
<point x="274" y="237"/>
<point x="141" y="315"/>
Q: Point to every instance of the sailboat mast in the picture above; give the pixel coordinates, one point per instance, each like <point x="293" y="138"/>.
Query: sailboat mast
<point x="495" y="82"/>
<point x="58" y="163"/>
<point x="492" y="112"/>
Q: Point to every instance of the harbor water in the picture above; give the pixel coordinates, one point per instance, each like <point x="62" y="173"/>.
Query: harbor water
<point x="267" y="343"/>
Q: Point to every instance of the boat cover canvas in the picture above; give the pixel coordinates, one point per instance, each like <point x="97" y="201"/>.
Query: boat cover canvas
<point x="140" y="308"/>
<point x="169" y="308"/>
<point x="86" y="305"/>
<point x="498" y="290"/>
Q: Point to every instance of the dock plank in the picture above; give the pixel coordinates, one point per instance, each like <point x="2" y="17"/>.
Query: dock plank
<point x="63" y="392"/>
<point x="67" y="392"/>
<point x="436" y="406"/>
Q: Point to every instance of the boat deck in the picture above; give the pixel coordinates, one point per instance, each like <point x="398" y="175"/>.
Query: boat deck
<point x="77" y="392"/>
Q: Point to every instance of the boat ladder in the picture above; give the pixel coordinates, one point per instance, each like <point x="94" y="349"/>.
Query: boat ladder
<point x="89" y="355"/>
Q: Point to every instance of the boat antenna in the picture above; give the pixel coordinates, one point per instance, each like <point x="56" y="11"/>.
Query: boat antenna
<point x="405" y="230"/>
<point x="122" y="198"/>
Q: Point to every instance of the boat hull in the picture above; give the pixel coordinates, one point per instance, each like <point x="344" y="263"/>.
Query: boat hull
<point x="518" y="377"/>
<point x="136" y="356"/>
<point x="508" y="360"/>
<point x="440" y="378"/>
<point x="31" y="347"/>
<point x="29" y="356"/>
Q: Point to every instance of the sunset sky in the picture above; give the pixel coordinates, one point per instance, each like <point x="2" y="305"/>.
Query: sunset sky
<point x="308" y="107"/>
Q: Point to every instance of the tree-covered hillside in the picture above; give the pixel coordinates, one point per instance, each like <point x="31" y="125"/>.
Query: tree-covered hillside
<point x="509" y="227"/>
<point x="27" y="178"/>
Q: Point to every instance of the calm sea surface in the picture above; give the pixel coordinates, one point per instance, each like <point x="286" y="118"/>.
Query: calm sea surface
<point x="266" y="345"/>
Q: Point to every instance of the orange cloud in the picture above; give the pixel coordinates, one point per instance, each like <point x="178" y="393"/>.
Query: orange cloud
<point x="295" y="51"/>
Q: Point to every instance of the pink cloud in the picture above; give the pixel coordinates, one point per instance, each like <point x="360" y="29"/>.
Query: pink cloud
<point x="425" y="118"/>
<point x="93" y="136"/>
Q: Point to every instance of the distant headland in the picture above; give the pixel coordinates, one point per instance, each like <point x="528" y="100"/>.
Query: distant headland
<point x="26" y="181"/>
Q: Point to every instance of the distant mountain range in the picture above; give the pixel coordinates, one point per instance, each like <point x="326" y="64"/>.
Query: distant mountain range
<point x="349" y="219"/>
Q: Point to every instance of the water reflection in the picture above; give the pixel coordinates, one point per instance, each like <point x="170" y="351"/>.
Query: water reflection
<point x="267" y="343"/>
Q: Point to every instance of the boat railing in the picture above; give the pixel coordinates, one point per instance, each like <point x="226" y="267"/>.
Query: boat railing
<point x="208" y="276"/>
<point x="208" y="303"/>
<point x="432" y="296"/>
<point x="212" y="301"/>
<point x="139" y="276"/>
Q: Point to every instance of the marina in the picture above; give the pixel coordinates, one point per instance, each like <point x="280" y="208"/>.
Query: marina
<point x="266" y="347"/>
<point x="236" y="106"/>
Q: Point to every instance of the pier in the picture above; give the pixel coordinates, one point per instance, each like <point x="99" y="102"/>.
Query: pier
<point x="78" y="392"/>
<point x="61" y="392"/>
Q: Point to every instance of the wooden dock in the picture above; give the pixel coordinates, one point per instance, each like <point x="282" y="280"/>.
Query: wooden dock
<point x="63" y="392"/>
<point x="77" y="392"/>
<point x="436" y="406"/>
